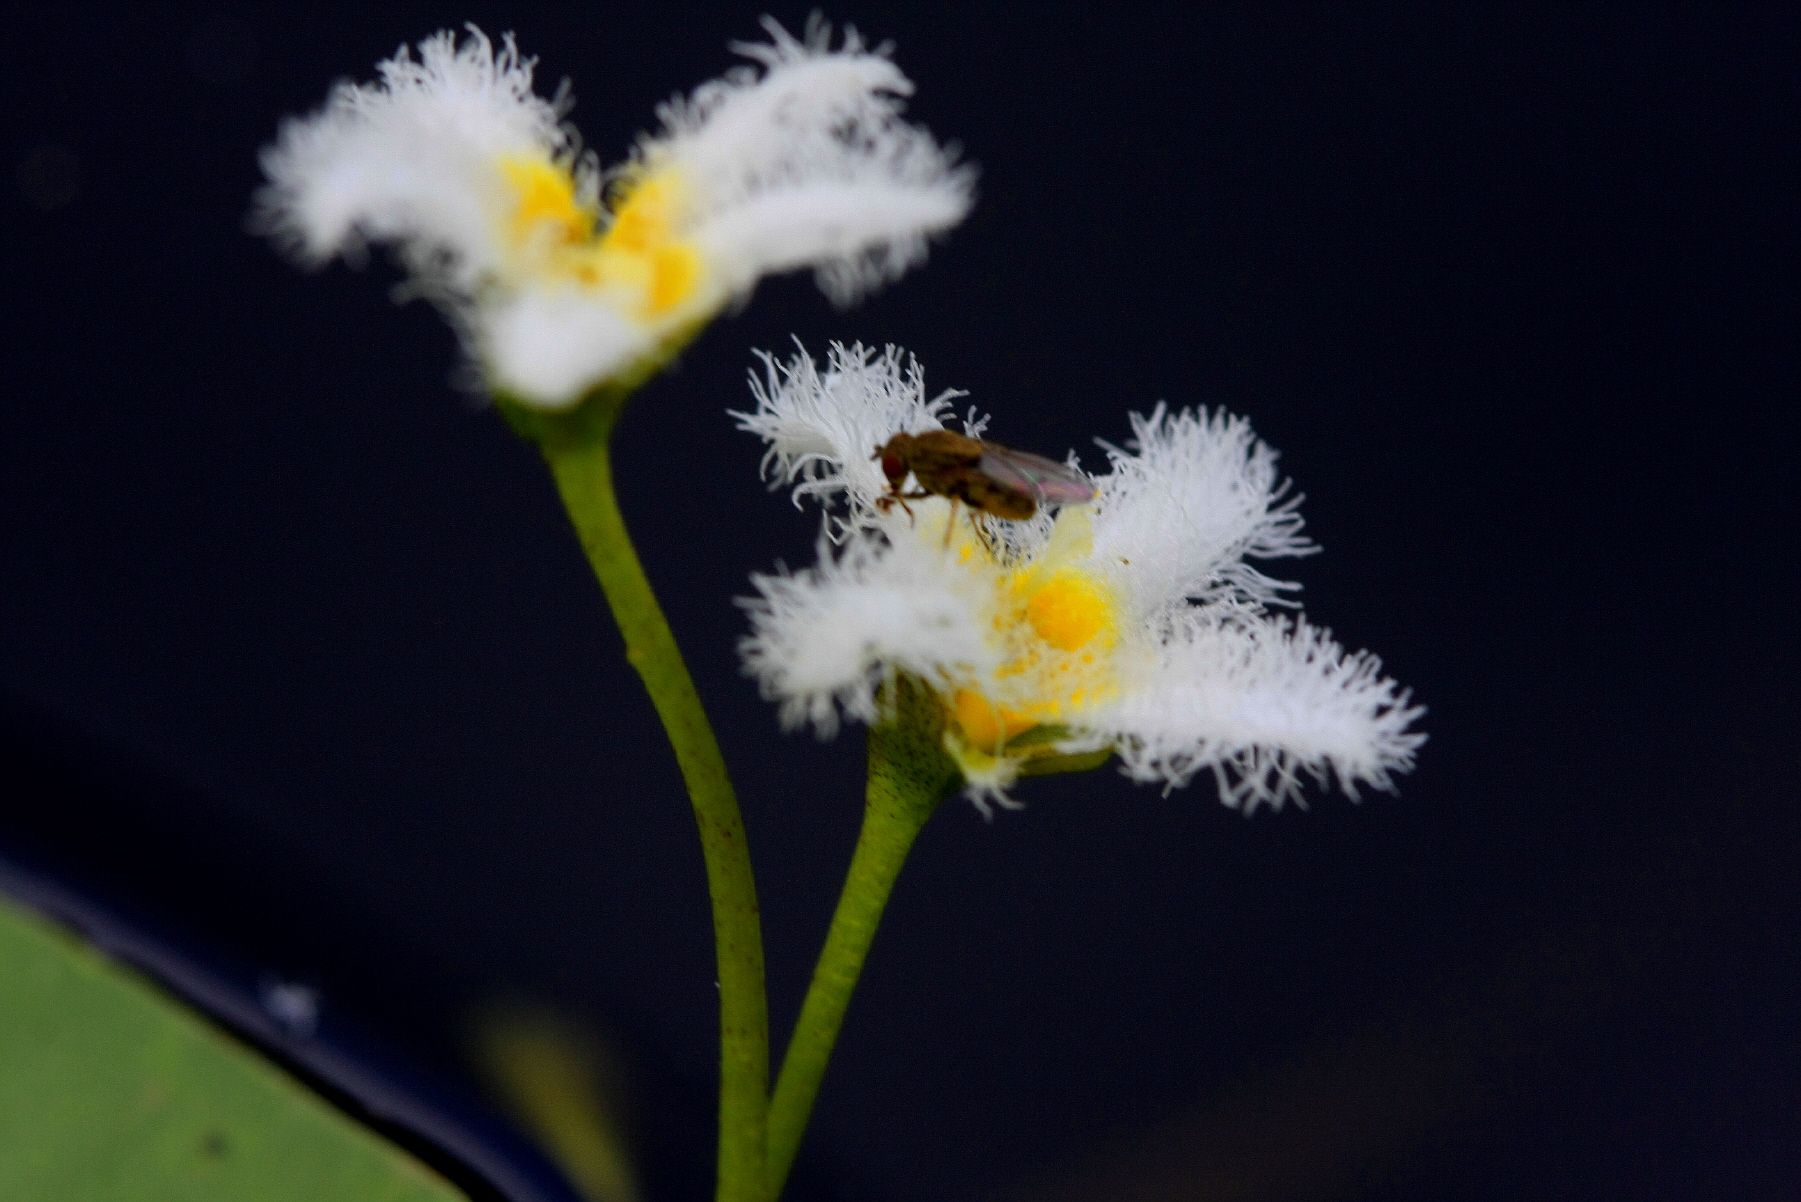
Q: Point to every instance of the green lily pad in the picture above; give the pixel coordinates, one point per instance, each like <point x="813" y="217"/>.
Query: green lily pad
<point x="112" y="1091"/>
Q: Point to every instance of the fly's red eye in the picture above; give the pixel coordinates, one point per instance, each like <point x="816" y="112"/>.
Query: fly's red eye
<point x="893" y="468"/>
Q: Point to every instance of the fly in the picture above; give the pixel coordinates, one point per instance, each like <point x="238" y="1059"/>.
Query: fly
<point x="985" y="476"/>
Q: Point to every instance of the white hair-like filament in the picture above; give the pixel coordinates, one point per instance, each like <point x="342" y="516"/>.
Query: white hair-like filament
<point x="1258" y="701"/>
<point x="823" y="427"/>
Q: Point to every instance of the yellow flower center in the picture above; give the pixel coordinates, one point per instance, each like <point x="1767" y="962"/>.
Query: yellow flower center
<point x="1056" y="623"/>
<point x="546" y="205"/>
<point x="645" y="216"/>
<point x="641" y="248"/>
<point x="639" y="255"/>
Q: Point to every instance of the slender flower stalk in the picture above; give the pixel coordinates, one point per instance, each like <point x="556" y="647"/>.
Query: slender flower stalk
<point x="577" y="448"/>
<point x="909" y="774"/>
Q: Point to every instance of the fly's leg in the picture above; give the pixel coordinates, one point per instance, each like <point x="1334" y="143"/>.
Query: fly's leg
<point x="897" y="497"/>
<point x="975" y="523"/>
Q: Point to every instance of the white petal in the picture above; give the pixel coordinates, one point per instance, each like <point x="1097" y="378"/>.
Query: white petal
<point x="822" y="427"/>
<point x="1197" y="492"/>
<point x="1259" y="700"/>
<point x="412" y="160"/>
<point x="549" y="346"/>
<point x="810" y="165"/>
<point x="858" y="234"/>
<point x="734" y="128"/>
<point x="823" y="639"/>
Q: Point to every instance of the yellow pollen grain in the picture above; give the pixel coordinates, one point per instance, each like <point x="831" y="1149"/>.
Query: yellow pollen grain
<point x="1055" y="631"/>
<point x="1068" y="611"/>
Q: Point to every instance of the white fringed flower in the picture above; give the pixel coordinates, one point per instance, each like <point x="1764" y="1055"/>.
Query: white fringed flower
<point x="1133" y="624"/>
<point x="556" y="288"/>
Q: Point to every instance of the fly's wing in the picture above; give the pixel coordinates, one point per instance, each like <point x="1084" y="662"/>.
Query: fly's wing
<point x="1045" y="480"/>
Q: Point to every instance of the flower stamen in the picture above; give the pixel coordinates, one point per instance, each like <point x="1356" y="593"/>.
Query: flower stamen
<point x="640" y="248"/>
<point x="547" y="201"/>
<point x="986" y="725"/>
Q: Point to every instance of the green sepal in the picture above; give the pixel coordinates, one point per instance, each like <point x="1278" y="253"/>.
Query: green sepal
<point x="590" y="420"/>
<point x="1037" y="736"/>
<point x="1049" y="762"/>
<point x="1050" y="765"/>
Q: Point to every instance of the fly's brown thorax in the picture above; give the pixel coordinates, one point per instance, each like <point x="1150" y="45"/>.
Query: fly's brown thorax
<point x="938" y="454"/>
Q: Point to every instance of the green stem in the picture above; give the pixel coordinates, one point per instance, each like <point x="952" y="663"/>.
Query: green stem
<point x="577" y="448"/>
<point x="909" y="774"/>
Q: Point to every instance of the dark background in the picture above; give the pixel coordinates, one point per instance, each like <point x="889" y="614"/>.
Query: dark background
<point x="300" y="640"/>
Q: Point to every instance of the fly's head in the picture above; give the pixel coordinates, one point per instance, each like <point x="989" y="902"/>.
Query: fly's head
<point x="896" y="457"/>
